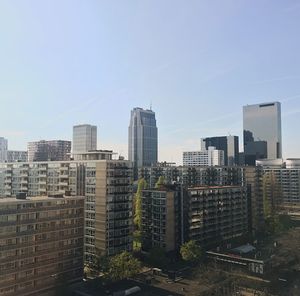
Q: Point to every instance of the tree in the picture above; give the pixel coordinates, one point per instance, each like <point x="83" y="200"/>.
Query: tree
<point x="142" y="184"/>
<point x="160" y="182"/>
<point x="190" y="251"/>
<point x="123" y="266"/>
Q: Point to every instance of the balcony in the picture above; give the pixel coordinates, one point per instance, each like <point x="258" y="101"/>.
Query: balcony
<point x="64" y="176"/>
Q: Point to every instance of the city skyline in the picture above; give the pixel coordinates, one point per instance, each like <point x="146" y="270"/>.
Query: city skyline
<point x="197" y="69"/>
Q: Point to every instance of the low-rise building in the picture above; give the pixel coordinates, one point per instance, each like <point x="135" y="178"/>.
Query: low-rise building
<point x="41" y="243"/>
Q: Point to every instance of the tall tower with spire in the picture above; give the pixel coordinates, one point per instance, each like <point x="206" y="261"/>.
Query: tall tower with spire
<point x="142" y="139"/>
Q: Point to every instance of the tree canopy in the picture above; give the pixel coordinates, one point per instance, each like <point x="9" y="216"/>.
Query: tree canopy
<point x="123" y="266"/>
<point x="142" y="184"/>
<point x="190" y="251"/>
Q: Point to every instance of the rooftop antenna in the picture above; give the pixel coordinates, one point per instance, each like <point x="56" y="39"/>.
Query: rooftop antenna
<point x="150" y="105"/>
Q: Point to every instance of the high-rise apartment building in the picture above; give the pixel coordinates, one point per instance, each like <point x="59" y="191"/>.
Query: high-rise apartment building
<point x="162" y="225"/>
<point x="142" y="138"/>
<point x="230" y="146"/>
<point x="41" y="244"/>
<point x="3" y="149"/>
<point x="195" y="176"/>
<point x="56" y="150"/>
<point x="285" y="176"/>
<point x="106" y="185"/>
<point x="209" y="157"/>
<point x="262" y="132"/>
<point x="13" y="155"/>
<point x="209" y="215"/>
<point x="217" y="214"/>
<point x="84" y="138"/>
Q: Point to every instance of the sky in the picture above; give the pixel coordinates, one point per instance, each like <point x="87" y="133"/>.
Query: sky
<point x="65" y="62"/>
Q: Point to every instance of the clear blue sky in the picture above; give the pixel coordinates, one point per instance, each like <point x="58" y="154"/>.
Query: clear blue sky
<point x="64" y="62"/>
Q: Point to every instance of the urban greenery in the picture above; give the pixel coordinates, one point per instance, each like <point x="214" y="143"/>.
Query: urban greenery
<point x="142" y="184"/>
<point x="190" y="251"/>
<point x="118" y="267"/>
<point x="160" y="182"/>
<point x="123" y="266"/>
<point x="137" y="240"/>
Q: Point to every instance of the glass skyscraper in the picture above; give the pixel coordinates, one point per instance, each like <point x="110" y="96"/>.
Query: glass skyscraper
<point x="142" y="138"/>
<point x="262" y="132"/>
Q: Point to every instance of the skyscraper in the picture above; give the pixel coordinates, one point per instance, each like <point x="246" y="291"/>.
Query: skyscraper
<point x="84" y="138"/>
<point x="230" y="146"/>
<point x="142" y="138"/>
<point x="262" y="132"/>
<point x="3" y="149"/>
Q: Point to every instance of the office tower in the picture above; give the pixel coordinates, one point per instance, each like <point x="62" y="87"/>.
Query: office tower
<point x="217" y="214"/>
<point x="84" y="138"/>
<point x="142" y="139"/>
<point x="229" y="144"/>
<point x="41" y="243"/>
<point x="56" y="150"/>
<point x="13" y="155"/>
<point x="161" y="218"/>
<point x="106" y="185"/>
<point x="262" y="132"/>
<point x="209" y="157"/>
<point x="3" y="149"/>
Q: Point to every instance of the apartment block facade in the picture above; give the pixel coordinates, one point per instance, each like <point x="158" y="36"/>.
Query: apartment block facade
<point x="249" y="177"/>
<point x="106" y="185"/>
<point x="3" y="149"/>
<point x="41" y="243"/>
<point x="194" y="176"/>
<point x="162" y="225"/>
<point x="209" y="157"/>
<point x="56" y="150"/>
<point x="14" y="155"/>
<point x="217" y="214"/>
<point x="284" y="178"/>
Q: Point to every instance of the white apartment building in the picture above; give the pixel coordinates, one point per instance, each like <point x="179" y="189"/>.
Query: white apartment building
<point x="209" y="157"/>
